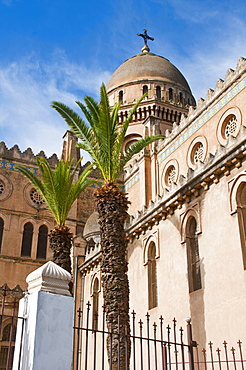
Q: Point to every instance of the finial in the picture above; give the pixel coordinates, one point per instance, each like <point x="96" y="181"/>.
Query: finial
<point x="145" y="36"/>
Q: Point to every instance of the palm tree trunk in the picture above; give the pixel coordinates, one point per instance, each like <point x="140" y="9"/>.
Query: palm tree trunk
<point x="61" y="242"/>
<point x="112" y="205"/>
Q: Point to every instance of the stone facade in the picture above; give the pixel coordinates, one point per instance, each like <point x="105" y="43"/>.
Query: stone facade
<point x="187" y="252"/>
<point x="25" y="223"/>
<point x="186" y="231"/>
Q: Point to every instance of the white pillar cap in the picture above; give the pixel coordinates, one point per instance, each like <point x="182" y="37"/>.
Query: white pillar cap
<point x="49" y="278"/>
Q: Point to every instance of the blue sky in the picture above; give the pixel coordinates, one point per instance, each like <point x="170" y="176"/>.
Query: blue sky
<point x="63" y="49"/>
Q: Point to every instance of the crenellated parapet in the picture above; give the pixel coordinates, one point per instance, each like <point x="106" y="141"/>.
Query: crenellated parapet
<point x="215" y="101"/>
<point x="16" y="154"/>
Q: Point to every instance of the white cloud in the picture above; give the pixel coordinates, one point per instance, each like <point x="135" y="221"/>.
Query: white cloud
<point x="205" y="65"/>
<point x="28" y="86"/>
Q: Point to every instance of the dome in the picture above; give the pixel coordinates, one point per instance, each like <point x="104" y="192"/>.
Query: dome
<point x="147" y="66"/>
<point x="92" y="225"/>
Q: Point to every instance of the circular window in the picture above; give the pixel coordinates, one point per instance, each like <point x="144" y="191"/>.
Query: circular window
<point x="36" y="197"/>
<point x="1" y="187"/>
<point x="33" y="197"/>
<point x="229" y="125"/>
<point x="197" y="151"/>
<point x="170" y="174"/>
<point x="130" y="140"/>
<point x="5" y="187"/>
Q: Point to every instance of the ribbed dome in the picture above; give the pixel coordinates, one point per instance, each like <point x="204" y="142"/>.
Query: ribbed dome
<point x="147" y="66"/>
<point x="92" y="225"/>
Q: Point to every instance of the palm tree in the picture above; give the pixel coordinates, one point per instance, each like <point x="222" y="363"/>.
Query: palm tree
<point x="103" y="139"/>
<point x="59" y="188"/>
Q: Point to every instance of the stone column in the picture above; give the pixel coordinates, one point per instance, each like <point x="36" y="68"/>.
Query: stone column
<point x="47" y="341"/>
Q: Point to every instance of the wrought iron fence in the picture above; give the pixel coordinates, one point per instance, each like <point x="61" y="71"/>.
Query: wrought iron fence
<point x="228" y="358"/>
<point x="8" y="324"/>
<point x="154" y="346"/>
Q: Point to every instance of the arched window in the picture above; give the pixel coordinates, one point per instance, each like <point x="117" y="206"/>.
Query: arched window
<point x="145" y="89"/>
<point x="1" y="231"/>
<point x="42" y="242"/>
<point x="26" y="246"/>
<point x="193" y="259"/>
<point x="181" y="97"/>
<point x="158" y="92"/>
<point x="152" y="277"/>
<point x="170" y="93"/>
<point x="7" y="332"/>
<point x="95" y="304"/>
<point x="241" y="211"/>
<point x="121" y="96"/>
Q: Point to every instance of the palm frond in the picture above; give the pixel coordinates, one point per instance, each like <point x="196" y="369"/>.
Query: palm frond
<point x="103" y="139"/>
<point x="136" y="148"/>
<point x="58" y="186"/>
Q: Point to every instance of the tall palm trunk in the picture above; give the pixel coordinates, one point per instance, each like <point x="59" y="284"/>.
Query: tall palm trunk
<point x="61" y="242"/>
<point x="112" y="205"/>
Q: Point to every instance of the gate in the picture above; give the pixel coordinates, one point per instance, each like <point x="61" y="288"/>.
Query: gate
<point x="8" y="323"/>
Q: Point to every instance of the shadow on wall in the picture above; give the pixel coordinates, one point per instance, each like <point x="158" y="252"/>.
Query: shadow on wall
<point x="197" y="312"/>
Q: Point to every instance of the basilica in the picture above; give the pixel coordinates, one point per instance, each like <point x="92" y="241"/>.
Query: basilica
<point x="187" y="215"/>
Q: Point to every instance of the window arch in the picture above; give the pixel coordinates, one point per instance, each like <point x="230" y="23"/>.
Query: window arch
<point x="158" y="92"/>
<point x="26" y="246"/>
<point x="170" y="94"/>
<point x="95" y="299"/>
<point x="145" y="89"/>
<point x="181" y="97"/>
<point x="197" y="151"/>
<point x="7" y="332"/>
<point x="152" y="276"/>
<point x="42" y="242"/>
<point x="193" y="258"/>
<point x="1" y="231"/>
<point x="241" y="211"/>
<point x="121" y="96"/>
<point x="229" y="125"/>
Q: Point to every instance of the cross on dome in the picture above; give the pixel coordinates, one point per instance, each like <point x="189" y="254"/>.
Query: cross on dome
<point x="146" y="37"/>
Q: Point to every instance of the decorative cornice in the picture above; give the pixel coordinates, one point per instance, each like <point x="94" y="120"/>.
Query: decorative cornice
<point x="196" y="182"/>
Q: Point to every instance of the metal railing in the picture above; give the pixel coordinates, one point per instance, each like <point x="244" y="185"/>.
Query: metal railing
<point x="154" y="346"/>
<point x="220" y="358"/>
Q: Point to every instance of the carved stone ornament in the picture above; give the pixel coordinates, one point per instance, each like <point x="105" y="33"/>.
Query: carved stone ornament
<point x="49" y="278"/>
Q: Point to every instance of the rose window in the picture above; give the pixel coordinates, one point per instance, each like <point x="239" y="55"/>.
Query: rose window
<point x="36" y="197"/>
<point x="198" y="153"/>
<point x="230" y="127"/>
<point x="171" y="175"/>
<point x="1" y="187"/>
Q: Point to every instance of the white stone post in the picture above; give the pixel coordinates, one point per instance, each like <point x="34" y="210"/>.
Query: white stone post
<point x="47" y="341"/>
